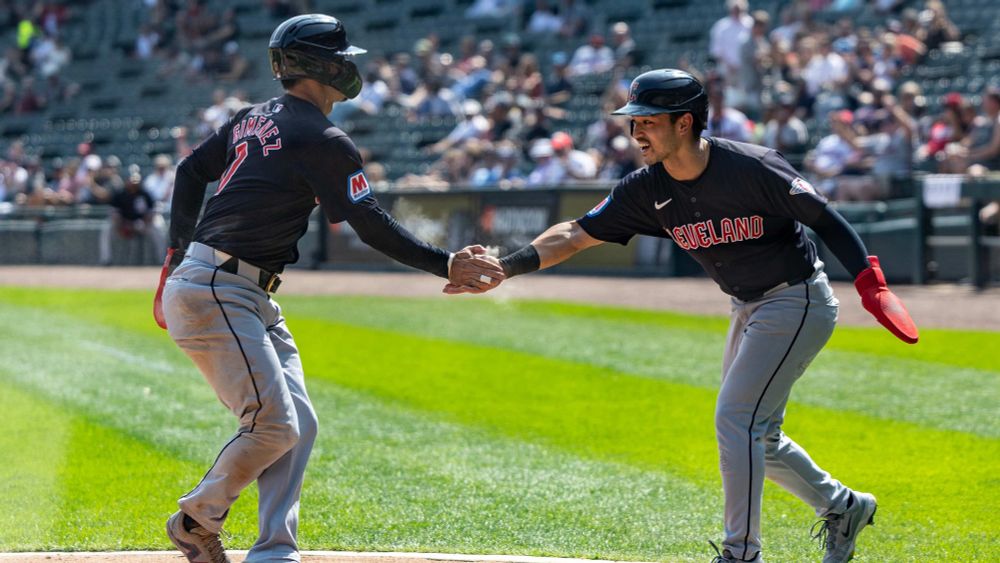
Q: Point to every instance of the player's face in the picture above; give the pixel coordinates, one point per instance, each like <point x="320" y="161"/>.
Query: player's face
<point x="657" y="136"/>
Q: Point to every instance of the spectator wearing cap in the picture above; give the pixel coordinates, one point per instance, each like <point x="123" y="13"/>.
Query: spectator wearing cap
<point x="951" y="126"/>
<point x="835" y="155"/>
<point x="592" y="57"/>
<point x="159" y="184"/>
<point x="621" y="159"/>
<point x="785" y="132"/>
<point x="624" y="46"/>
<point x="725" y="122"/>
<point x="888" y="153"/>
<point x="132" y="215"/>
<point x="979" y="150"/>
<point x="578" y="164"/>
<point x="727" y="36"/>
<point x="473" y="125"/>
<point x="549" y="171"/>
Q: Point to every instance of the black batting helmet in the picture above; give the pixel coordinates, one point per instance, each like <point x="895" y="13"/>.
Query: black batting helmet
<point x="315" y="46"/>
<point x="666" y="90"/>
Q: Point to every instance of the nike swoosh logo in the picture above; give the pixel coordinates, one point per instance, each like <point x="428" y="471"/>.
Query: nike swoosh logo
<point x="659" y="205"/>
<point x="847" y="529"/>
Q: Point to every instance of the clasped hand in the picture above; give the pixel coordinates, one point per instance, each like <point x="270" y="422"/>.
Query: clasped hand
<point x="473" y="271"/>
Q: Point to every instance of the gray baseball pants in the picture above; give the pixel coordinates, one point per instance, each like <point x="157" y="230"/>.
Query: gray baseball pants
<point x="771" y="342"/>
<point x="237" y="337"/>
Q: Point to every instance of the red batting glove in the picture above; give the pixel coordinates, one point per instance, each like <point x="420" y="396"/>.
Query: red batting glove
<point x="883" y="304"/>
<point x="168" y="268"/>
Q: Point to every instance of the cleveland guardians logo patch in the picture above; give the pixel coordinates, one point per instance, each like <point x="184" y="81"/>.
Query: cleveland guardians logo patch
<point x="599" y="207"/>
<point x="800" y="186"/>
<point x="357" y="186"/>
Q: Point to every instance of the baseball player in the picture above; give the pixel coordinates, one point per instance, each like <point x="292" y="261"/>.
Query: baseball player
<point x="275" y="162"/>
<point x="739" y="210"/>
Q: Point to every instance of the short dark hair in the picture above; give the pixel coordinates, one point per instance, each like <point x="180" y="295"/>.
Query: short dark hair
<point x="696" y="125"/>
<point x="288" y="83"/>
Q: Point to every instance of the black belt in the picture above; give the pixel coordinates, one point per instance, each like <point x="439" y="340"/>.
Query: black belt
<point x="268" y="281"/>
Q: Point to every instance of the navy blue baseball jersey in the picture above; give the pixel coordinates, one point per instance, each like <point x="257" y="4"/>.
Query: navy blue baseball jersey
<point x="741" y="219"/>
<point x="274" y="162"/>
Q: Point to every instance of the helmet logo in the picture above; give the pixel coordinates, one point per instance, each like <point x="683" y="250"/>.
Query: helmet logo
<point x="632" y="95"/>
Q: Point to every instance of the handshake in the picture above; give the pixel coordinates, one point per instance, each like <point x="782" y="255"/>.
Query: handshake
<point x="473" y="270"/>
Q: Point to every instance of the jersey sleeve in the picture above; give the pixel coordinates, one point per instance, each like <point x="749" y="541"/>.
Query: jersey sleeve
<point x="620" y="216"/>
<point x="205" y="164"/>
<point x="785" y="193"/>
<point x="335" y="172"/>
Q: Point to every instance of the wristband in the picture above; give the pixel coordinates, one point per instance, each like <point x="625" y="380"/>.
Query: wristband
<point x="523" y="261"/>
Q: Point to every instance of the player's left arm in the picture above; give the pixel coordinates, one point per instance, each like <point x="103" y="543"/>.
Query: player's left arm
<point x="205" y="164"/>
<point x="336" y="174"/>
<point x="795" y="198"/>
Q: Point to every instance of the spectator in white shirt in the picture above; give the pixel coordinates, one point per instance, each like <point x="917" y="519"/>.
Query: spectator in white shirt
<point x="543" y="19"/>
<point x="785" y="132"/>
<point x="727" y="37"/>
<point x="592" y="58"/>
<point x="160" y="183"/>
<point x="578" y="164"/>
<point x="725" y="122"/>
<point x="826" y="70"/>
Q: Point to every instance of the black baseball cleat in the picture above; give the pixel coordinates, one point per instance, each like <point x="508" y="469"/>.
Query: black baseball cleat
<point x="839" y="532"/>
<point x="726" y="556"/>
<point x="197" y="544"/>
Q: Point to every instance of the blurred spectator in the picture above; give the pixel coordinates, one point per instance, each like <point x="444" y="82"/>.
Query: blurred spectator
<point x="824" y="69"/>
<point x="544" y="20"/>
<point x="578" y="164"/>
<point x="755" y="62"/>
<point x="433" y="100"/>
<point x="785" y="132"/>
<point x="374" y="93"/>
<point x="835" y="155"/>
<point x="725" y="122"/>
<point x="232" y="66"/>
<point x="106" y="180"/>
<point x="159" y="184"/>
<point x="146" y="42"/>
<point x="950" y="127"/>
<point x="622" y="158"/>
<point x="527" y="78"/>
<point x="29" y="99"/>
<point x="132" y="215"/>
<point x="473" y="125"/>
<point x="937" y="28"/>
<point x="559" y="89"/>
<point x="49" y="56"/>
<point x="727" y="36"/>
<point x="492" y="9"/>
<point x="574" y="16"/>
<point x="549" y="171"/>
<point x="592" y="57"/>
<point x="623" y="46"/>
<point x="505" y="123"/>
<point x="887" y="151"/>
<point x="979" y="150"/>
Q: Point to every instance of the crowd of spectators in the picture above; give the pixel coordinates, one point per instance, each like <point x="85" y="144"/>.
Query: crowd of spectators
<point x="828" y="95"/>
<point x="31" y="68"/>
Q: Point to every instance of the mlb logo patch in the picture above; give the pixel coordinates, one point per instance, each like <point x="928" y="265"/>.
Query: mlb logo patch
<point x="800" y="186"/>
<point x="357" y="186"/>
<point x="599" y="207"/>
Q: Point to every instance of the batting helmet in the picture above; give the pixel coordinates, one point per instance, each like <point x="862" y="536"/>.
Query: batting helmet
<point x="315" y="46"/>
<point x="666" y="91"/>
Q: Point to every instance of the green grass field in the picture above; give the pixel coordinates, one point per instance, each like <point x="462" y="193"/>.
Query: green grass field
<point x="467" y="425"/>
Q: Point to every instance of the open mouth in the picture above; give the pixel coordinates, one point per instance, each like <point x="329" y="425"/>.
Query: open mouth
<point x="643" y="147"/>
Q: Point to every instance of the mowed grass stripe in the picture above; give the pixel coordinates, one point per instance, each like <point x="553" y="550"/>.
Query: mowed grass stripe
<point x="662" y="426"/>
<point x="72" y="484"/>
<point x="33" y="440"/>
<point x="687" y="349"/>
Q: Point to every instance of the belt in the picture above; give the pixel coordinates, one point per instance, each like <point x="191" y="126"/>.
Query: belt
<point x="268" y="281"/>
